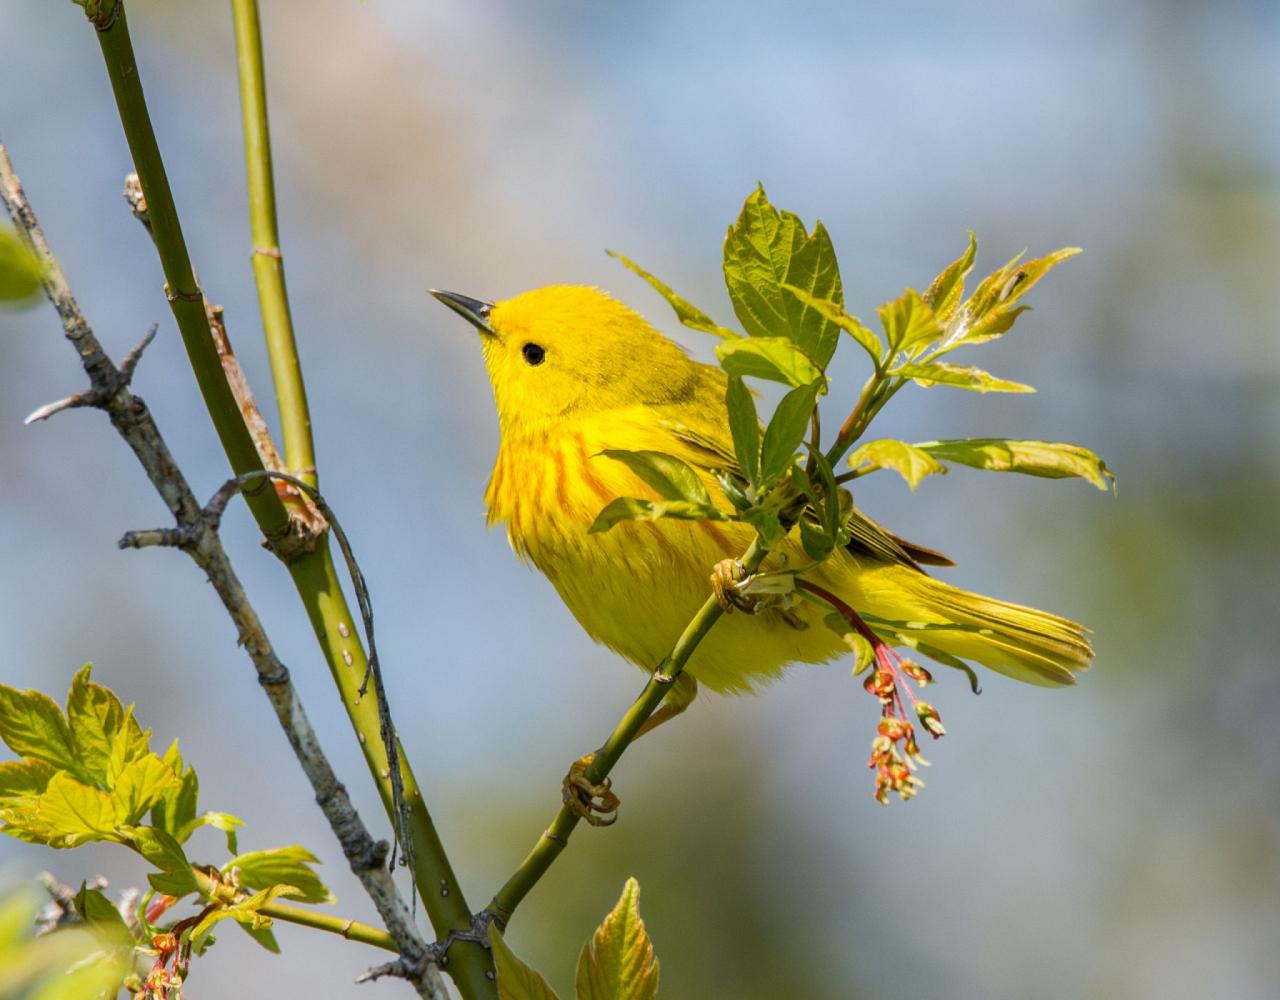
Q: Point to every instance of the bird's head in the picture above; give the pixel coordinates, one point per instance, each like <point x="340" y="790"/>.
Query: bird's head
<point x="569" y="351"/>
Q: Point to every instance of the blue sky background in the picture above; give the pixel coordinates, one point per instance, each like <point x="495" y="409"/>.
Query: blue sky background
<point x="1117" y="839"/>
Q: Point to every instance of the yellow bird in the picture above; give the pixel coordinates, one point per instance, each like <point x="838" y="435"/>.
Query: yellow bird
<point x="576" y="372"/>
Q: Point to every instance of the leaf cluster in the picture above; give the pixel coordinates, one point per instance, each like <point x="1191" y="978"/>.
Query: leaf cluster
<point x="88" y="774"/>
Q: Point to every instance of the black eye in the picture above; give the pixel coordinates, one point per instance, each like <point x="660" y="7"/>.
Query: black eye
<point x="534" y="354"/>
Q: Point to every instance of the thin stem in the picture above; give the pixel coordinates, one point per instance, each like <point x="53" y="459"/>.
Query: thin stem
<point x="268" y="264"/>
<point x="556" y="837"/>
<point x="313" y="573"/>
<point x="181" y="288"/>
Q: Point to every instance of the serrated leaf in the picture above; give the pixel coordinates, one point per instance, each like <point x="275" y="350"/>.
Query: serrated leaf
<point x="245" y="912"/>
<point x="129" y="744"/>
<point x="637" y="509"/>
<point x="618" y="962"/>
<point x="20" y="269"/>
<point x="32" y="725"/>
<point x="947" y="289"/>
<point x="289" y="865"/>
<point x="909" y="324"/>
<point x="765" y="249"/>
<point x="687" y="313"/>
<point x="786" y="430"/>
<point x="176" y="811"/>
<point x="670" y="477"/>
<point x="834" y="313"/>
<point x="516" y="980"/>
<point x="773" y="358"/>
<point x="941" y="373"/>
<point x="70" y="813"/>
<point x="744" y="426"/>
<point x="1048" y="459"/>
<point x="142" y="783"/>
<point x="911" y="462"/>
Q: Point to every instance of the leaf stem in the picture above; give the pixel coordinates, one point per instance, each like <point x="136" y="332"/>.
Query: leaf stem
<point x="556" y="837"/>
<point x="268" y="264"/>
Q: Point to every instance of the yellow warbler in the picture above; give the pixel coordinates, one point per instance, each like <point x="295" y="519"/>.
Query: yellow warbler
<point x="574" y="373"/>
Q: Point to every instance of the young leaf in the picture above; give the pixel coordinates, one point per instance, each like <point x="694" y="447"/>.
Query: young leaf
<point x="174" y="877"/>
<point x="941" y="373"/>
<point x="141" y="784"/>
<point x="176" y="811"/>
<point x="245" y="912"/>
<point x="283" y="865"/>
<point x="947" y="289"/>
<point x="773" y="358"/>
<point x="744" y="426"/>
<point x="516" y="981"/>
<point x="835" y="313"/>
<point x="731" y="487"/>
<point x="22" y="779"/>
<point x="20" y="269"/>
<point x="999" y="291"/>
<point x="618" y="962"/>
<point x="817" y="543"/>
<point x="32" y="725"/>
<point x="265" y="936"/>
<point x="864" y="653"/>
<point x="95" y="717"/>
<point x="96" y="910"/>
<point x="636" y="509"/>
<point x="670" y="478"/>
<point x="765" y="249"/>
<point x="786" y="430"/>
<point x="1050" y="459"/>
<point x="688" y="314"/>
<point x="219" y="821"/>
<point x="909" y="324"/>
<point x="69" y="813"/>
<point x="911" y="462"/>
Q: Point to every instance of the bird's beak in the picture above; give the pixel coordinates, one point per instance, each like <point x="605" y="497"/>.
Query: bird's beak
<point x="473" y="311"/>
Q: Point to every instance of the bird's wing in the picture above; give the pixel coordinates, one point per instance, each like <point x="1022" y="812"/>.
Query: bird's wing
<point x="711" y="452"/>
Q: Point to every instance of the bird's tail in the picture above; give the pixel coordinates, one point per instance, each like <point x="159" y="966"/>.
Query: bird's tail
<point x="1023" y="643"/>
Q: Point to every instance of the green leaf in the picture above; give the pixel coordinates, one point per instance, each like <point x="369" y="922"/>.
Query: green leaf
<point x="864" y="653"/>
<point x="947" y="289"/>
<point x="786" y="430"/>
<point x="636" y="509"/>
<point x="731" y="487"/>
<point x="516" y="980"/>
<point x="265" y="936"/>
<point x="1049" y="459"/>
<point x="162" y="850"/>
<point x="99" y="912"/>
<point x="289" y="865"/>
<point x="618" y="962"/>
<point x="141" y="784"/>
<point x="941" y="373"/>
<point x="817" y="543"/>
<point x="910" y="461"/>
<point x="766" y="523"/>
<point x="20" y="269"/>
<point x="22" y="779"/>
<point x="766" y="249"/>
<point x="773" y="358"/>
<point x="245" y="912"/>
<point x="32" y="725"/>
<point x="744" y="426"/>
<point x="990" y="310"/>
<point x="946" y="659"/>
<point x="687" y="313"/>
<point x="219" y="821"/>
<point x="176" y="811"/>
<point x="670" y="477"/>
<point x="98" y="721"/>
<point x="909" y="324"/>
<point x="833" y="312"/>
<point x="69" y="813"/>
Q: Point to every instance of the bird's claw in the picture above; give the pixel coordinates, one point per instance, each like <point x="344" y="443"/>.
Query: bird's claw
<point x="596" y="803"/>
<point x="727" y="577"/>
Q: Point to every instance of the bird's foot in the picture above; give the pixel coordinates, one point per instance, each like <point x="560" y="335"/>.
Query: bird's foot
<point x="596" y="803"/>
<point x="727" y="579"/>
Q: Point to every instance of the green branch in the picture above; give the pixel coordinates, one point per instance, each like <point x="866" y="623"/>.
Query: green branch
<point x="556" y="837"/>
<point x="314" y="574"/>
<point x="268" y="264"/>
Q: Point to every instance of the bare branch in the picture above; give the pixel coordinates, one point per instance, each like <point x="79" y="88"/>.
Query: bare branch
<point x="131" y="418"/>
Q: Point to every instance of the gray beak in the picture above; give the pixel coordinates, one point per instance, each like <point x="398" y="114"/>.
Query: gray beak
<point x="473" y="311"/>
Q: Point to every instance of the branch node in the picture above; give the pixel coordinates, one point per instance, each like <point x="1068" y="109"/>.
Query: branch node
<point x="184" y="537"/>
<point x="90" y="397"/>
<point x="137" y="199"/>
<point x="172" y="296"/>
<point x="273" y="252"/>
<point x="276" y="677"/>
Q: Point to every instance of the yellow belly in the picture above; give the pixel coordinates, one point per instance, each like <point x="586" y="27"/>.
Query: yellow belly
<point x="635" y="587"/>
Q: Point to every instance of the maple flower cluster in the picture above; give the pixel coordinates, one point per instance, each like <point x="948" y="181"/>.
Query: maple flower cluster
<point x="895" y="754"/>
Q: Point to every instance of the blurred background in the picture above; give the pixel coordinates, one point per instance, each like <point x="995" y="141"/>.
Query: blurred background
<point x="1114" y="840"/>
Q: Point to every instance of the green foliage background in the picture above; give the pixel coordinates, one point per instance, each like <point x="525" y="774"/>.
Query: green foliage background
<point x="1118" y="839"/>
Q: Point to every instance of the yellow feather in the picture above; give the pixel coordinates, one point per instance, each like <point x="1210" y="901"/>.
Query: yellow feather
<point x="605" y="379"/>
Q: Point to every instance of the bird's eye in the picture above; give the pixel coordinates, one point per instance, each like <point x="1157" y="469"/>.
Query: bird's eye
<point x="534" y="354"/>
